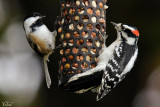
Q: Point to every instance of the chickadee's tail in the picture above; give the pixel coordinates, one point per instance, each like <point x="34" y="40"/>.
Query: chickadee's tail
<point x="47" y="76"/>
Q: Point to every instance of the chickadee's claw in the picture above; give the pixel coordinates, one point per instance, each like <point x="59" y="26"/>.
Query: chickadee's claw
<point x="59" y="46"/>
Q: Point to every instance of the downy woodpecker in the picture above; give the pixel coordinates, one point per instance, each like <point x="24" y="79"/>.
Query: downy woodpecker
<point x="122" y="59"/>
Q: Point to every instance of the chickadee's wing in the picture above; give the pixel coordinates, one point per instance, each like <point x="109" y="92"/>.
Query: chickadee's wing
<point x="54" y="33"/>
<point x="113" y="73"/>
<point x="34" y="46"/>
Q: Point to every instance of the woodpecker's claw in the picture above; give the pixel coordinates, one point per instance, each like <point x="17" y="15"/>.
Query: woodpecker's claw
<point x="104" y="36"/>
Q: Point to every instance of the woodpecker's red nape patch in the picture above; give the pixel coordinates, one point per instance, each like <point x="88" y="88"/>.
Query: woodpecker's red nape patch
<point x="136" y="32"/>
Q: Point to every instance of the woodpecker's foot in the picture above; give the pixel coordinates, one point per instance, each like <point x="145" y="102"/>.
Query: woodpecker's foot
<point x="103" y="36"/>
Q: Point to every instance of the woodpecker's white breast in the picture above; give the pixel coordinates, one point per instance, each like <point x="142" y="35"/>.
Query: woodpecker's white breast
<point x="107" y="53"/>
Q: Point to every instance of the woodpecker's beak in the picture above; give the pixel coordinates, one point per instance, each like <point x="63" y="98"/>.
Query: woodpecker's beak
<point x="116" y="25"/>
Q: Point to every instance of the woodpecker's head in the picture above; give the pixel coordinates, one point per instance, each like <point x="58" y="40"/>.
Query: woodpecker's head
<point x="126" y="31"/>
<point x="32" y="21"/>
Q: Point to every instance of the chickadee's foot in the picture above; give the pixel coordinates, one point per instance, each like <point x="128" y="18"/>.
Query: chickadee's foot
<point x="59" y="46"/>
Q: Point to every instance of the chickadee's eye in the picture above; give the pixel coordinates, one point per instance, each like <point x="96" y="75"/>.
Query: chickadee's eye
<point x="123" y="28"/>
<point x="34" y="15"/>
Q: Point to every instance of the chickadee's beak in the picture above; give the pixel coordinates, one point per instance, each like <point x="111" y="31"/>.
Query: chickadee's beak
<point x="41" y="17"/>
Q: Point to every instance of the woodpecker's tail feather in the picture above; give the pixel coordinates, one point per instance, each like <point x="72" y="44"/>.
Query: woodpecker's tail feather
<point x="47" y="76"/>
<point x="101" y="94"/>
<point x="84" y="83"/>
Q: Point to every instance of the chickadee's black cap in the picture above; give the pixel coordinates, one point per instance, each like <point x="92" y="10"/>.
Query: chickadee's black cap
<point x="34" y="14"/>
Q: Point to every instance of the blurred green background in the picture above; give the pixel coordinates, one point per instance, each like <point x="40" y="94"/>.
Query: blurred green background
<point x="141" y="88"/>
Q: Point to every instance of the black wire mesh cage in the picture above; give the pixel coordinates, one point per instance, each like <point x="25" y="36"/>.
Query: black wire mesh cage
<point x="78" y="30"/>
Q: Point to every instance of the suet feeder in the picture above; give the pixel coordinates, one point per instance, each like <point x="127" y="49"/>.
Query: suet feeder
<point x="78" y="34"/>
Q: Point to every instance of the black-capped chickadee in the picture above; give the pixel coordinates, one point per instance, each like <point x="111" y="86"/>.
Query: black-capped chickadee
<point x="40" y="39"/>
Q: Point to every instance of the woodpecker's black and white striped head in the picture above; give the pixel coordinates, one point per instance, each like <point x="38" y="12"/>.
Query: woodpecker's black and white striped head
<point x="32" y="21"/>
<point x="127" y="32"/>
